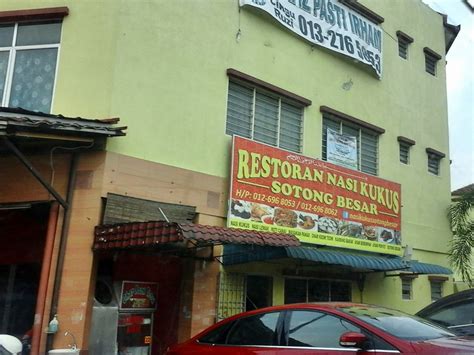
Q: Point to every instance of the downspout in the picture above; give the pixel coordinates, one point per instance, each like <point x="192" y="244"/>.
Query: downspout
<point x="62" y="244"/>
<point x="44" y="278"/>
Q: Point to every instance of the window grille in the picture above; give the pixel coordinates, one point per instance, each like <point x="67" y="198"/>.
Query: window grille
<point x="434" y="159"/>
<point x="404" y="152"/>
<point x="367" y="143"/>
<point x="407" y="293"/>
<point x="263" y="116"/>
<point x="431" y="61"/>
<point x="28" y="60"/>
<point x="436" y="290"/>
<point x="403" y="47"/>
<point x="433" y="164"/>
<point x="231" y="295"/>
<point x="404" y="41"/>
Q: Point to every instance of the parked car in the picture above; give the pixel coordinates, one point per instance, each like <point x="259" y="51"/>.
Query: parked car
<point x="455" y="312"/>
<point x="10" y="345"/>
<point x="324" y="328"/>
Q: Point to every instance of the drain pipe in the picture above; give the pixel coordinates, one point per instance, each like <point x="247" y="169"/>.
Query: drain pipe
<point x="44" y="278"/>
<point x="63" y="244"/>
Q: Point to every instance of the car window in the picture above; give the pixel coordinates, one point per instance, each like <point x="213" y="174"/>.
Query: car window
<point x="259" y="329"/>
<point x="397" y="323"/>
<point x="459" y="314"/>
<point x="317" y="329"/>
<point x="218" y="335"/>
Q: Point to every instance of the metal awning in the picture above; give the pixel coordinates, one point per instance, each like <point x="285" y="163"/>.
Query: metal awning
<point x="146" y="235"/>
<point x="361" y="262"/>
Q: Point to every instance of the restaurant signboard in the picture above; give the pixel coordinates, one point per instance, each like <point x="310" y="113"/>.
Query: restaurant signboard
<point x="274" y="190"/>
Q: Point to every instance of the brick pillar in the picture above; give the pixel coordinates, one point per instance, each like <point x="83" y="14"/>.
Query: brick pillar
<point x="204" y="299"/>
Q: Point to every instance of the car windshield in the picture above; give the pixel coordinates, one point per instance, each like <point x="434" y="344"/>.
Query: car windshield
<point x="397" y="323"/>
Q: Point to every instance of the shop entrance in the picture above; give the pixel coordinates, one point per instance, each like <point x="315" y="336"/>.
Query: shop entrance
<point x="22" y="237"/>
<point x="137" y="300"/>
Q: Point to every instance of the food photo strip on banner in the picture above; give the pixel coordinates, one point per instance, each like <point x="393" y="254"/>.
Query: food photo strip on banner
<point x="274" y="190"/>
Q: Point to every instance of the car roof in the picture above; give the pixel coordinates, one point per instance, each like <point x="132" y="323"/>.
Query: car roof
<point x="462" y="296"/>
<point x="336" y="306"/>
<point x="309" y="305"/>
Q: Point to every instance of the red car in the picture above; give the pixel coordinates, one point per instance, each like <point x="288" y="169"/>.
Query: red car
<point x="324" y="328"/>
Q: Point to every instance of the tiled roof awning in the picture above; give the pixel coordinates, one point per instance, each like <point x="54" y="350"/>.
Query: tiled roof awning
<point x="19" y="122"/>
<point x="240" y="254"/>
<point x="156" y="233"/>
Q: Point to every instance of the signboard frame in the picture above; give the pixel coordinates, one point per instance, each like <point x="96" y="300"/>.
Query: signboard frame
<point x="342" y="214"/>
<point x="152" y="286"/>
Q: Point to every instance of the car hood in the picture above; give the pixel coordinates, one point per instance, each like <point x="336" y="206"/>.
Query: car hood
<point x="454" y="345"/>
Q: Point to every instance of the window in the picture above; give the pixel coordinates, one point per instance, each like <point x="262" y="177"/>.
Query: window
<point x="313" y="290"/>
<point x="404" y="153"/>
<point x="431" y="60"/>
<point x="321" y="330"/>
<point x="407" y="288"/>
<point x="317" y="329"/>
<point x="458" y="316"/>
<point x="264" y="112"/>
<point x="28" y="60"/>
<point x="218" y="335"/>
<point x="434" y="159"/>
<point x="266" y="118"/>
<point x="405" y="145"/>
<point x="436" y="290"/>
<point x="255" y="330"/>
<point x="367" y="138"/>
<point x="397" y="323"/>
<point x="403" y="41"/>
<point x="259" y="292"/>
<point x="433" y="164"/>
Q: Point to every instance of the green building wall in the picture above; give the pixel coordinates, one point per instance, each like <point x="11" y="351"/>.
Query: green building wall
<point x="161" y="67"/>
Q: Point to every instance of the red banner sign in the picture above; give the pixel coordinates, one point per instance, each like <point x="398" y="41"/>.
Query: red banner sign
<point x="319" y="202"/>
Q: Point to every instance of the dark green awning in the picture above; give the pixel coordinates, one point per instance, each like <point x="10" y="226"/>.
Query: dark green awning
<point x="236" y="254"/>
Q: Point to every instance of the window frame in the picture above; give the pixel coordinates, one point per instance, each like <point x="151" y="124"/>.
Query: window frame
<point x="432" y="293"/>
<point x="259" y="93"/>
<point x="30" y="16"/>
<point x="404" y="42"/>
<point x="406" y="280"/>
<point x="372" y="338"/>
<point x="307" y="279"/>
<point x="431" y="58"/>
<point x="438" y="280"/>
<point x="364" y="128"/>
<point x="405" y="143"/>
<point x="434" y="161"/>
<point x="13" y="50"/>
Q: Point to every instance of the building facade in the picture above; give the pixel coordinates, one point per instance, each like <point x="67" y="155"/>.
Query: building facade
<point x="355" y="85"/>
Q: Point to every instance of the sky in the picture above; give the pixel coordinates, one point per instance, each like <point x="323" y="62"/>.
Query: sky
<point x="460" y="84"/>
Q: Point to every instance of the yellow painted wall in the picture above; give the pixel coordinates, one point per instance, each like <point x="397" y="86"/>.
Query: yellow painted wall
<point x="161" y="66"/>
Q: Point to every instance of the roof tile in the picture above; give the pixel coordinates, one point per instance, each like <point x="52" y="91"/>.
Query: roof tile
<point x="145" y="234"/>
